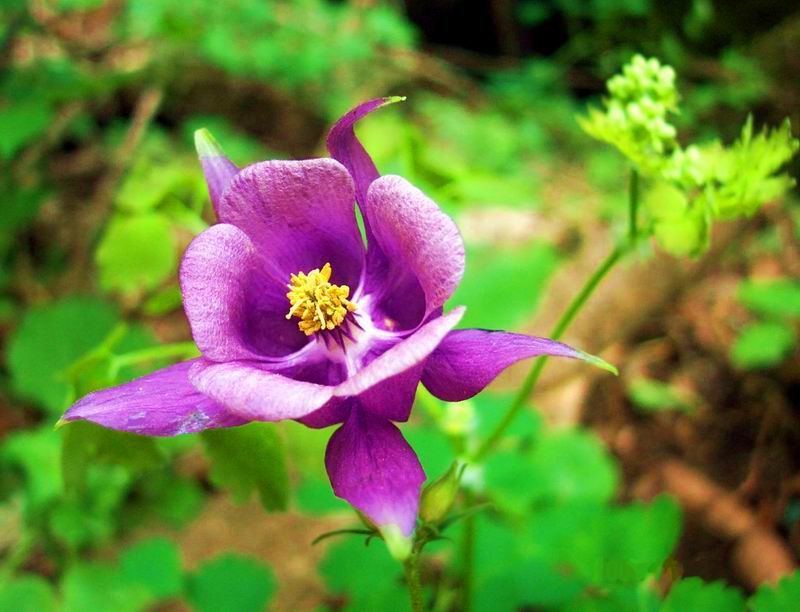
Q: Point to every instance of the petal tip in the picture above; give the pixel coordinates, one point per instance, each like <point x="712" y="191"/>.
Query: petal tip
<point x="206" y="145"/>
<point x="393" y="99"/>
<point x="600" y="363"/>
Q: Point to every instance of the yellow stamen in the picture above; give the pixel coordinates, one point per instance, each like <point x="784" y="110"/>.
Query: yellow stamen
<point x="316" y="302"/>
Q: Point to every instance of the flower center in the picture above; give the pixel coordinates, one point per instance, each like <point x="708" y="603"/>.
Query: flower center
<point x="316" y="302"/>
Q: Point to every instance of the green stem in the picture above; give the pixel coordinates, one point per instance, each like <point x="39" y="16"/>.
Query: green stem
<point x="162" y="351"/>
<point x="633" y="206"/>
<point x="468" y="554"/>
<point x="533" y="375"/>
<point x="411" y="567"/>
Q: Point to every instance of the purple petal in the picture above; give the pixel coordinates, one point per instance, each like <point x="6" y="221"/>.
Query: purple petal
<point x="234" y="309"/>
<point x="386" y="386"/>
<point x="163" y="403"/>
<point x="300" y="215"/>
<point x="265" y="391"/>
<point x="424" y="249"/>
<point x="372" y="467"/>
<point x="257" y="394"/>
<point x="345" y="148"/>
<point x="218" y="169"/>
<point x="469" y="359"/>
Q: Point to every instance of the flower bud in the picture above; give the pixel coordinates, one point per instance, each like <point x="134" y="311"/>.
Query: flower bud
<point x="438" y="497"/>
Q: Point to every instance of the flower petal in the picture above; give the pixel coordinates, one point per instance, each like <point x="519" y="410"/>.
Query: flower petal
<point x="163" y="403"/>
<point x="234" y="309"/>
<point x="218" y="169"/>
<point x="469" y="359"/>
<point x="425" y="252"/>
<point x="300" y="215"/>
<point x="372" y="467"/>
<point x="386" y="386"/>
<point x="252" y="392"/>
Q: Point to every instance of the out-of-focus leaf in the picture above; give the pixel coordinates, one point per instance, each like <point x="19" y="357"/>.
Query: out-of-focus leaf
<point x="36" y="454"/>
<point x="249" y="458"/>
<point x="136" y="253"/>
<point x="779" y="597"/>
<point x="762" y="345"/>
<point x="681" y="227"/>
<point x="694" y="594"/>
<point x="21" y="123"/>
<point x="155" y="564"/>
<point x="652" y="395"/>
<point x="315" y="495"/>
<point x="366" y="575"/>
<point x="563" y="466"/>
<point x="49" y="340"/>
<point x="230" y="583"/>
<point x="503" y="287"/>
<point x="774" y="298"/>
<point x="27" y="593"/>
<point x="101" y="588"/>
<point x="87" y="444"/>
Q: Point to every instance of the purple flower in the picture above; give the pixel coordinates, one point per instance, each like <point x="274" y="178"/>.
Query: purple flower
<point x="296" y="319"/>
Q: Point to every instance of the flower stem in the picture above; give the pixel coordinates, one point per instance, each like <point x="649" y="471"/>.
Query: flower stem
<point x="633" y="205"/>
<point x="533" y="375"/>
<point x="536" y="371"/>
<point x="411" y="568"/>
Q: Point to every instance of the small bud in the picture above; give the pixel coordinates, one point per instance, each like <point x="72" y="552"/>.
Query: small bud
<point x="399" y="545"/>
<point x="438" y="496"/>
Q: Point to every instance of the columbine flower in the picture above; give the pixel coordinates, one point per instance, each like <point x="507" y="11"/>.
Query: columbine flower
<point x="296" y="319"/>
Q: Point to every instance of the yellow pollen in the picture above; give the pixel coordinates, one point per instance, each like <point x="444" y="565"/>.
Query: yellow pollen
<point x="316" y="302"/>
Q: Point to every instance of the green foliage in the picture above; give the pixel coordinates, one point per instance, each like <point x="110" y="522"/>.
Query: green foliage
<point x="694" y="594"/>
<point x="247" y="459"/>
<point x="519" y="275"/>
<point x="694" y="185"/>
<point x="93" y="586"/>
<point x="778" y="298"/>
<point x="27" y="593"/>
<point x="136" y="253"/>
<point x="49" y="340"/>
<point x="762" y="345"/>
<point x="86" y="444"/>
<point x="156" y="565"/>
<point x="367" y="575"/>
<point x="230" y="583"/>
<point x="779" y="597"/>
<point x="652" y="395"/>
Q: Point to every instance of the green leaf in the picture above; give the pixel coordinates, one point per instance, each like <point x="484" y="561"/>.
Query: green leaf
<point x="680" y="226"/>
<point x="563" y="466"/>
<point x="136" y="253"/>
<point x="154" y="564"/>
<point x="762" y="345"/>
<point x="21" y="123"/>
<point x="502" y="287"/>
<point x="694" y="594"/>
<point x="230" y="583"/>
<point x="27" y="593"/>
<point x="36" y="454"/>
<point x="779" y="597"/>
<point x="367" y="575"/>
<point x="49" y="340"/>
<point x="315" y="496"/>
<point x="101" y="588"/>
<point x="773" y="298"/>
<point x="747" y="174"/>
<point x="86" y="444"/>
<point x="249" y="458"/>
<point x="652" y="395"/>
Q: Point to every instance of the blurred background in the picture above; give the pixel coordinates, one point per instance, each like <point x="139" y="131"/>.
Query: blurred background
<point x="100" y="193"/>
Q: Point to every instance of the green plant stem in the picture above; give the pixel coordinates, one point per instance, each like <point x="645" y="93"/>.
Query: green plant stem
<point x="162" y="351"/>
<point x="411" y="568"/>
<point x="535" y="372"/>
<point x="468" y="553"/>
<point x="633" y="206"/>
<point x="533" y="375"/>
